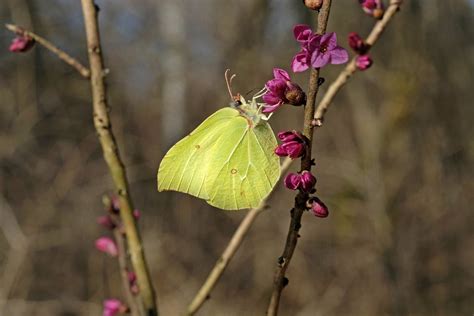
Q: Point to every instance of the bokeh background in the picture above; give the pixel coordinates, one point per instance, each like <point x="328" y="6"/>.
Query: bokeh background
<point x="394" y="160"/>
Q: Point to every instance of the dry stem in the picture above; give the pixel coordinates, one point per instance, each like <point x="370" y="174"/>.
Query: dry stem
<point x="230" y="250"/>
<point x="51" y="47"/>
<point x="112" y="157"/>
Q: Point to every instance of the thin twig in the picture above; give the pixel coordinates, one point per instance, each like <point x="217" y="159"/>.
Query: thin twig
<point x="280" y="281"/>
<point x="230" y="250"/>
<point x="122" y="259"/>
<point x="112" y="157"/>
<point x="351" y="67"/>
<point x="51" y="47"/>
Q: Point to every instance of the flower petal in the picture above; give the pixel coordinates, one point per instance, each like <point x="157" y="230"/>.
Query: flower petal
<point x="319" y="59"/>
<point x="271" y="99"/>
<point x="281" y="74"/>
<point x="271" y="108"/>
<point x="339" y="56"/>
<point x="300" y="62"/>
<point x="276" y="86"/>
<point x="329" y="39"/>
<point x="302" y="32"/>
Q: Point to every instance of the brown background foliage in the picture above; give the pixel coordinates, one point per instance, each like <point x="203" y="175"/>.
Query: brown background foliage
<point x="394" y="160"/>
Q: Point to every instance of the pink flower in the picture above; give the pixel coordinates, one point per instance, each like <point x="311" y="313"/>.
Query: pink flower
<point x="280" y="90"/>
<point x="316" y="50"/>
<point x="21" y="44"/>
<point x="328" y="51"/>
<point x="106" y="221"/>
<point x="363" y="62"/>
<point x="318" y="208"/>
<point x="107" y="245"/>
<point x="357" y="43"/>
<point x="113" y="307"/>
<point x="304" y="181"/>
<point x="373" y="8"/>
<point x="293" y="145"/>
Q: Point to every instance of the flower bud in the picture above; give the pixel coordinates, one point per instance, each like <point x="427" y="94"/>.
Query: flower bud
<point x="291" y="149"/>
<point x="294" y="94"/>
<point x="21" y="44"/>
<point x="288" y="136"/>
<point x="313" y="4"/>
<point x="318" y="208"/>
<point x="304" y="181"/>
<point x="374" y="8"/>
<point x="107" y="245"/>
<point x="363" y="62"/>
<point x="307" y="181"/>
<point x="293" y="144"/>
<point x="357" y="43"/>
<point x="293" y="181"/>
<point x="113" y="307"/>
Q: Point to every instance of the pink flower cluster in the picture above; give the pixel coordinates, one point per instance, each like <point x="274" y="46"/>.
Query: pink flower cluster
<point x="316" y="50"/>
<point x="305" y="181"/>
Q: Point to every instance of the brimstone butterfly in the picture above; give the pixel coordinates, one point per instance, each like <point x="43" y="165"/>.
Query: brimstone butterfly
<point x="228" y="160"/>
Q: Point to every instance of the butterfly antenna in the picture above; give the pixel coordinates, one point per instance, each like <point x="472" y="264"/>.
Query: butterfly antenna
<point x="228" y="81"/>
<point x="260" y="93"/>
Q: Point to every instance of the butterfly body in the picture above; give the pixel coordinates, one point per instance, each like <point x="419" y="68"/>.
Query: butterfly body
<point x="228" y="160"/>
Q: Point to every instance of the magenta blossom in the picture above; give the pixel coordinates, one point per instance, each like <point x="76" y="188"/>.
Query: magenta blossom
<point x="113" y="307"/>
<point x="21" y="44"/>
<point x="318" y="208"/>
<point x="373" y="8"/>
<point x="280" y="90"/>
<point x="328" y="51"/>
<point x="316" y="50"/>
<point x="357" y="43"/>
<point x="363" y="62"/>
<point x="107" y="245"/>
<point x="304" y="181"/>
<point x="293" y="144"/>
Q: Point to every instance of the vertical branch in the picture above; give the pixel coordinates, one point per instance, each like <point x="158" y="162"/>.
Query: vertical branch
<point x="280" y="281"/>
<point x="112" y="157"/>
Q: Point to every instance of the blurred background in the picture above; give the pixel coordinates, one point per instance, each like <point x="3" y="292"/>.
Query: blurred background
<point x="394" y="160"/>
